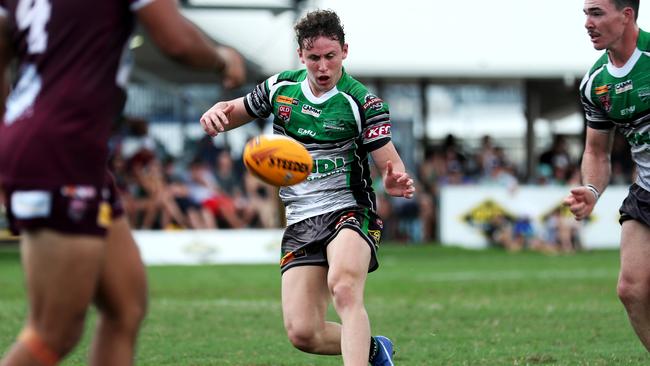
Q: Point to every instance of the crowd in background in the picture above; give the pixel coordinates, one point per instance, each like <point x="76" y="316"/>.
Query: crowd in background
<point x="207" y="191"/>
<point x="209" y="188"/>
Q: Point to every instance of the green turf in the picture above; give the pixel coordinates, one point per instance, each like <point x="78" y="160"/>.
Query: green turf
<point x="442" y="306"/>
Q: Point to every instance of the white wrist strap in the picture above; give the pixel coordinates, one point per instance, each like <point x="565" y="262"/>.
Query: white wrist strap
<point x="593" y="190"/>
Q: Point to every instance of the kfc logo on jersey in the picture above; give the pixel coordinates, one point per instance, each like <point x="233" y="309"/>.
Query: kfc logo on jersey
<point x="307" y="109"/>
<point x="372" y="101"/>
<point x="284" y="113"/>
<point x="377" y="132"/>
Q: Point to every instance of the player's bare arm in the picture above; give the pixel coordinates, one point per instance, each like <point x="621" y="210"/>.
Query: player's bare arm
<point x="397" y="181"/>
<point x="224" y="116"/>
<point x="180" y="39"/>
<point x="595" y="173"/>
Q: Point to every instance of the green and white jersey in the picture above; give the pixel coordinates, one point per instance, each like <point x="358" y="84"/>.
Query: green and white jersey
<point x="620" y="97"/>
<point x="338" y="128"/>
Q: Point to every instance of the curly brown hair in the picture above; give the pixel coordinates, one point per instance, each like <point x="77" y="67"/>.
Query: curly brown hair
<point x="319" y="23"/>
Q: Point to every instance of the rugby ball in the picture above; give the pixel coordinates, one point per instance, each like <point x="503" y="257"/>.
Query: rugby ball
<point x="277" y="159"/>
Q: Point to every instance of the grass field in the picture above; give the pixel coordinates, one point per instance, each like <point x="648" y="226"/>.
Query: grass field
<point x="441" y="306"/>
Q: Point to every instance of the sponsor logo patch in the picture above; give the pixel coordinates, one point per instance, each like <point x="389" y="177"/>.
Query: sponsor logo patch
<point x="375" y="235"/>
<point x="304" y="131"/>
<point x="374" y="132"/>
<point x="104" y="216"/>
<point x="628" y="111"/>
<point x="31" y="204"/>
<point x="606" y="102"/>
<point x="347" y="219"/>
<point x="372" y="101"/>
<point x="644" y="94"/>
<point x="79" y="192"/>
<point x="284" y="113"/>
<point x="286" y="100"/>
<point x="334" y="125"/>
<point x="623" y="87"/>
<point x="307" y="109"/>
<point x="603" y="89"/>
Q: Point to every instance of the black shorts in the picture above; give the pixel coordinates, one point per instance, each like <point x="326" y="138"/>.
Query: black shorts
<point x="70" y="209"/>
<point x="636" y="206"/>
<point x="305" y="242"/>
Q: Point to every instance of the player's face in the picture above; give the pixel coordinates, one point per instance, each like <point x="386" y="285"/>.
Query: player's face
<point x="324" y="61"/>
<point x="605" y="24"/>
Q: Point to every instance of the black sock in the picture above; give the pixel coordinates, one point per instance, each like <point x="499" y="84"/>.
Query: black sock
<point x="374" y="347"/>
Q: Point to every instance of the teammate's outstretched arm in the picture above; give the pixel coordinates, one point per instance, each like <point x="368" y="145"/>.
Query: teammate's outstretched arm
<point x="181" y="40"/>
<point x="397" y="181"/>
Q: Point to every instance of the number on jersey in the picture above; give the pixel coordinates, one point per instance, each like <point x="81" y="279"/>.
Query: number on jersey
<point x="34" y="14"/>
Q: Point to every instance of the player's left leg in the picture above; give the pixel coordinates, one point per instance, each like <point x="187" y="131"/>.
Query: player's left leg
<point x="634" y="278"/>
<point x="121" y="298"/>
<point x="349" y="255"/>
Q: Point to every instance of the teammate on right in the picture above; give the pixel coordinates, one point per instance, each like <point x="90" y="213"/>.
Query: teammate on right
<point x="616" y="95"/>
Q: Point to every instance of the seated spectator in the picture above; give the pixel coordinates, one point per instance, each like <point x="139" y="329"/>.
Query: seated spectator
<point x="563" y="231"/>
<point x="204" y="190"/>
<point x="263" y="198"/>
<point x="229" y="180"/>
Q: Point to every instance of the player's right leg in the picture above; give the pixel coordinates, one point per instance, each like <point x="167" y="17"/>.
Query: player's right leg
<point x="61" y="273"/>
<point x="305" y="298"/>
<point x="634" y="278"/>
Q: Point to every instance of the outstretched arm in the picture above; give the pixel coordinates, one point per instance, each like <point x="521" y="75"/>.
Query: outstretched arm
<point x="596" y="170"/>
<point x="182" y="41"/>
<point x="397" y="181"/>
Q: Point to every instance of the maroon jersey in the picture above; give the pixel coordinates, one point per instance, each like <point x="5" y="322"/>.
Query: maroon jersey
<point x="72" y="57"/>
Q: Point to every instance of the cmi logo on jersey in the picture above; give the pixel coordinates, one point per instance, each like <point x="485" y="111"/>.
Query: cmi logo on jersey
<point x="623" y="87"/>
<point x="284" y="113"/>
<point x="307" y="109"/>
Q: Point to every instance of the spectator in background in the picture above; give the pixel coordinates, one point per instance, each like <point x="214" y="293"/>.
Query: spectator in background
<point x="76" y="245"/>
<point x="231" y="186"/>
<point x="216" y="206"/>
<point x="557" y="160"/>
<point x="263" y="198"/>
<point x="562" y="231"/>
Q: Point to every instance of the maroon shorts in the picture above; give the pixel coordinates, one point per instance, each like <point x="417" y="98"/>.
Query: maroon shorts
<point x="71" y="209"/>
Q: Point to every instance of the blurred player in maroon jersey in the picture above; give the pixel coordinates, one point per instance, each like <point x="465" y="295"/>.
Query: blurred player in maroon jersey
<point x="76" y="246"/>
